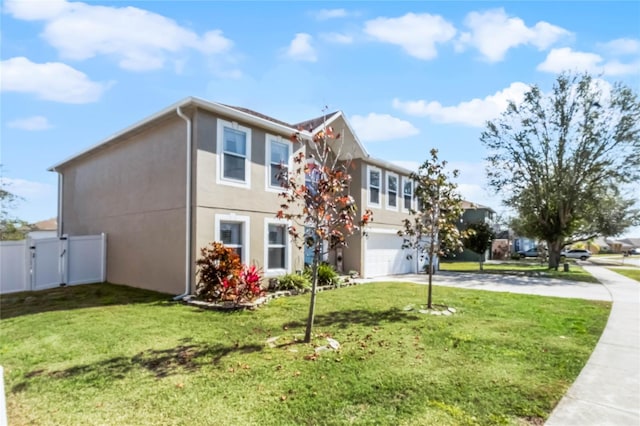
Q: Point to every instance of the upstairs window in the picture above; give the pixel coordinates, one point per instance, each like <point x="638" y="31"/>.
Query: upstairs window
<point x="392" y="191"/>
<point x="234" y="150"/>
<point x="374" y="187"/>
<point x="407" y="193"/>
<point x="279" y="159"/>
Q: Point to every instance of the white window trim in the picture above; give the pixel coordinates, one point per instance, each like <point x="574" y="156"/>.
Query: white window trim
<point x="404" y="181"/>
<point x="276" y="271"/>
<point x="267" y="162"/>
<point x="369" y="203"/>
<point x="389" y="206"/>
<point x="220" y="151"/>
<point x="246" y="231"/>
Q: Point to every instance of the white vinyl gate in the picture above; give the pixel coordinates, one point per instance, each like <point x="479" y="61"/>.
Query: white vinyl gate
<point x="51" y="262"/>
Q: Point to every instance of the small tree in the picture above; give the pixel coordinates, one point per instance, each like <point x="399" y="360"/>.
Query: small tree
<point x="432" y="229"/>
<point x="11" y="228"/>
<point x="317" y="197"/>
<point x="478" y="239"/>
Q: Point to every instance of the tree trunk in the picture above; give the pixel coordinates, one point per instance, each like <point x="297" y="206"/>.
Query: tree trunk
<point x="314" y="290"/>
<point x="555" y="247"/>
<point x="429" y="304"/>
<point x="480" y="258"/>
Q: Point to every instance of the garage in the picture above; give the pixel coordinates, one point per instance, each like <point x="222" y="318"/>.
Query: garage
<point x="384" y="255"/>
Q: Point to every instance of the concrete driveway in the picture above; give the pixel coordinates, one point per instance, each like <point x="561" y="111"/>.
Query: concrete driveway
<point x="508" y="283"/>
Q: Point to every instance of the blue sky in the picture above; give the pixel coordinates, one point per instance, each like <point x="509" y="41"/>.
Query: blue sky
<point x="409" y="76"/>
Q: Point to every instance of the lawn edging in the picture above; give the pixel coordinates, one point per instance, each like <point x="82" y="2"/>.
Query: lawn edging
<point x="193" y="300"/>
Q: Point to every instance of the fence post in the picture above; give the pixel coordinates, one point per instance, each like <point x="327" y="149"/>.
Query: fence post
<point x="3" y="405"/>
<point x="63" y="265"/>
<point x="103" y="263"/>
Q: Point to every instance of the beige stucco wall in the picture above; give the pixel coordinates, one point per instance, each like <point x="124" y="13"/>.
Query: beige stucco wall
<point x="256" y="202"/>
<point x="134" y="192"/>
<point x="383" y="218"/>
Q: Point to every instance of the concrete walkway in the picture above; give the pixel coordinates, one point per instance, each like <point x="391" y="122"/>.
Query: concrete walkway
<point x="607" y="391"/>
<point x="508" y="284"/>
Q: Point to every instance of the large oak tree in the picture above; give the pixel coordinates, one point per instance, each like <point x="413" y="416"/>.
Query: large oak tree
<point x="563" y="159"/>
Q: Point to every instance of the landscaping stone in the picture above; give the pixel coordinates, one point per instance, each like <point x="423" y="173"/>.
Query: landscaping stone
<point x="271" y="341"/>
<point x="333" y="344"/>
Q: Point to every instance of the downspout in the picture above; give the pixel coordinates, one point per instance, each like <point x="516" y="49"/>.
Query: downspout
<point x="60" y="183"/>
<point x="187" y="266"/>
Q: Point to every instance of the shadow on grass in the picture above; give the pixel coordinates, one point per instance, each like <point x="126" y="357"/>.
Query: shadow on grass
<point x="76" y="297"/>
<point x="345" y="318"/>
<point x="161" y="363"/>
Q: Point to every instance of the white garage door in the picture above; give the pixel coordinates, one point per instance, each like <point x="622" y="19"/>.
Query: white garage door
<point x="384" y="256"/>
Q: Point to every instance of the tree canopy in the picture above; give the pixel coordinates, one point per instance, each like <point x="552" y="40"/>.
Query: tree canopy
<point x="562" y="159"/>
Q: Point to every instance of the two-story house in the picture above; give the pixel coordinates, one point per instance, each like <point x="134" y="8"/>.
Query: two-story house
<point x="200" y="171"/>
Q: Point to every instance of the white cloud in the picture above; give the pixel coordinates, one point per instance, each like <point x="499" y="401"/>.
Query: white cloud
<point x="35" y="123"/>
<point x="621" y="46"/>
<point x="566" y="59"/>
<point x="324" y="14"/>
<point x="381" y="127"/>
<point x="417" y="34"/>
<point x="472" y="113"/>
<point x="337" y="38"/>
<point x="301" y="49"/>
<point x="25" y="188"/>
<point x="493" y="33"/>
<point x="52" y="81"/>
<point x="138" y="39"/>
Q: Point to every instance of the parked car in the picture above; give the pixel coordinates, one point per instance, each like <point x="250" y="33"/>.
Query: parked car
<point x="532" y="252"/>
<point x="634" y="251"/>
<point x="576" y="254"/>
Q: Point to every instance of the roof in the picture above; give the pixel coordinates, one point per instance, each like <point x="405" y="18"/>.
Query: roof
<point x="279" y="127"/>
<point x="234" y="113"/>
<point x="469" y="205"/>
<point x="314" y="123"/>
<point x="260" y="115"/>
<point x="46" y="225"/>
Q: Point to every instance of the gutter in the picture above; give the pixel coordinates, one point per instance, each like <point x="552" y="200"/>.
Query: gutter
<point x="187" y="266"/>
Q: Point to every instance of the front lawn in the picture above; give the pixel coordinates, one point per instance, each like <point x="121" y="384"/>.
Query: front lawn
<point x="526" y="267"/>
<point x="634" y="273"/>
<point x="135" y="358"/>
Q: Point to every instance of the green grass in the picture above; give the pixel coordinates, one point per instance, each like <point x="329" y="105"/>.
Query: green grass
<point x="525" y="267"/>
<point x="111" y="355"/>
<point x="633" y="273"/>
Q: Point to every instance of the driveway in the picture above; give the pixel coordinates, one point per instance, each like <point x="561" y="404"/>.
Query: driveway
<point x="508" y="284"/>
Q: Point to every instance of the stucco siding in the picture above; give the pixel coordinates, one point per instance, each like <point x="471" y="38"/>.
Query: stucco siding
<point x="256" y="222"/>
<point x="134" y="191"/>
<point x="213" y="194"/>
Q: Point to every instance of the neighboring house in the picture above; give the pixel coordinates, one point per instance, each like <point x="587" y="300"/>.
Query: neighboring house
<point x="44" y="229"/>
<point x="473" y="213"/>
<point x="200" y="171"/>
<point x="622" y="245"/>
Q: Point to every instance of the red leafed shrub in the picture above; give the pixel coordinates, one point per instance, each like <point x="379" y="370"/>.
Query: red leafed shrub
<point x="223" y="277"/>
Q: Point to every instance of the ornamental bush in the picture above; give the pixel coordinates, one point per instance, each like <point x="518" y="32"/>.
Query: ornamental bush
<point x="326" y="275"/>
<point x="222" y="277"/>
<point x="293" y="282"/>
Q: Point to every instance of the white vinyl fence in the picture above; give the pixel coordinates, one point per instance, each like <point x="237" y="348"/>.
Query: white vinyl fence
<point x="51" y="262"/>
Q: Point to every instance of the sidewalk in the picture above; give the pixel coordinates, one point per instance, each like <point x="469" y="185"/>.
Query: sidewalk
<point x="607" y="391"/>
